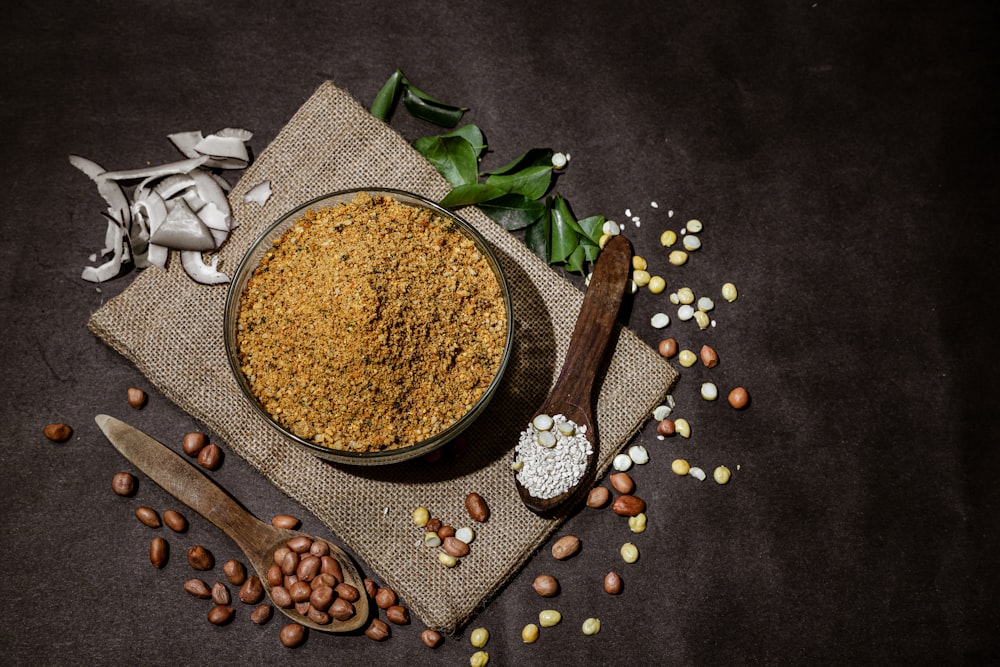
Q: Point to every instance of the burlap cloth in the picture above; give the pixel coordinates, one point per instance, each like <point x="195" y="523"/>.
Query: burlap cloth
<point x="171" y="328"/>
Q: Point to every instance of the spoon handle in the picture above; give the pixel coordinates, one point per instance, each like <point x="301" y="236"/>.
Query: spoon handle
<point x="594" y="325"/>
<point x="181" y="480"/>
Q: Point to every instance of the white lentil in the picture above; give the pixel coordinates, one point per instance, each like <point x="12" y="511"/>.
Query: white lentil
<point x="550" y="471"/>
<point x="670" y="214"/>
<point x="697" y="473"/>
<point x="662" y="412"/>
<point x="729" y="292"/>
<point x="693" y="226"/>
<point x="638" y="454"/>
<point x="682" y="428"/>
<point x="702" y="319"/>
<point x="705" y="304"/>
<point x="677" y="257"/>
<point x="542" y="423"/>
<point x="611" y="227"/>
<point x="685" y="295"/>
<point x="660" y="320"/>
<point x="465" y="534"/>
<point x="691" y="243"/>
<point x="685" y="312"/>
<point x="622" y="462"/>
<point x="654" y="204"/>
<point x="709" y="391"/>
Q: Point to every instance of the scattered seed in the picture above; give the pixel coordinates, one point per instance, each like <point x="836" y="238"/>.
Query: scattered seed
<point x="709" y="391"/>
<point x="479" y="637"/>
<point x="668" y="238"/>
<point x="677" y="257"/>
<point x="591" y="626"/>
<point x="722" y="475"/>
<point x="691" y="243"/>
<point x="693" y="226"/>
<point x="659" y="320"/>
<point x="729" y="292"/>
<point x="548" y="618"/>
<point x="622" y="462"/>
<point x="682" y="428"/>
<point x="637" y="523"/>
<point x="529" y="633"/>
<point x="697" y="473"/>
<point x="629" y="552"/>
<point x="638" y="454"/>
<point x="657" y="284"/>
<point x="680" y="467"/>
<point x="686" y="358"/>
<point x="421" y="516"/>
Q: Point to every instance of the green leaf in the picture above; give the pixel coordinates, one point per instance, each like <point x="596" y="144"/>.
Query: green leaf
<point x="575" y="261"/>
<point x="472" y="134"/>
<point x="470" y="193"/>
<point x="590" y="251"/>
<point x="537" y="236"/>
<point x="513" y="211"/>
<point x="388" y="96"/>
<point x="592" y="228"/>
<point x="536" y="157"/>
<point x="454" y="157"/>
<point x="427" y="108"/>
<point x="565" y="238"/>
<point x="532" y="182"/>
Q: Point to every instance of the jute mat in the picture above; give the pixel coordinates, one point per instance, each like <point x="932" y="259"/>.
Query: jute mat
<point x="171" y="328"/>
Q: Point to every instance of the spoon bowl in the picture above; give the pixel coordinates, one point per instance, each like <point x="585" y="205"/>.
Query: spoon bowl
<point x="572" y="394"/>
<point x="257" y="540"/>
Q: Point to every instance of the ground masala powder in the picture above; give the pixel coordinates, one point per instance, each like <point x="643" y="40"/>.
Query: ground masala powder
<point x="371" y="325"/>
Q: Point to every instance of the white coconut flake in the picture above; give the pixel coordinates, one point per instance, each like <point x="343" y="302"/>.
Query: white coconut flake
<point x="178" y="205"/>
<point x="259" y="193"/>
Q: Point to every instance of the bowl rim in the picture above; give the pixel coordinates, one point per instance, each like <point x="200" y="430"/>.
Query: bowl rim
<point x="248" y="264"/>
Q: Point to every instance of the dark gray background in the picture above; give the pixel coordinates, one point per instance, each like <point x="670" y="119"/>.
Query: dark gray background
<point x="842" y="157"/>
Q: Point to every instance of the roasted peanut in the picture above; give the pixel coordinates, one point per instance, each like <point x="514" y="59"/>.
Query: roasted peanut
<point x="546" y="585"/>
<point x="565" y="547"/>
<point x="252" y="590"/>
<point x="220" y="614"/>
<point x="148" y="516"/>
<point x="220" y="594"/>
<point x="198" y="588"/>
<point x="58" y="432"/>
<point x="261" y="614"/>
<point x="123" y="484"/>
<point x="377" y="630"/>
<point x="200" y="558"/>
<point x="235" y="572"/>
<point x="136" y="397"/>
<point x="175" y="521"/>
<point x="385" y="598"/>
<point x="285" y="521"/>
<point x="622" y="482"/>
<point x="598" y="497"/>
<point x="210" y="457"/>
<point x="397" y="614"/>
<point x="476" y="507"/>
<point x="194" y="442"/>
<point x="431" y="638"/>
<point x="158" y="552"/>
<point x="612" y="583"/>
<point x="628" y="505"/>
<point x="292" y="635"/>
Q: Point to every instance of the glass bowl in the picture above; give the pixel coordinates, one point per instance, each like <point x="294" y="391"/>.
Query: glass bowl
<point x="252" y="260"/>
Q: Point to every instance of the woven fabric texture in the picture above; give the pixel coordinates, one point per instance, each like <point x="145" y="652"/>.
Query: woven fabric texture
<point x="171" y="328"/>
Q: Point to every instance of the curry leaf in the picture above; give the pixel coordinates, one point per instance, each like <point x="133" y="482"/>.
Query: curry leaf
<point x="532" y="182"/>
<point x="470" y="193"/>
<point x="533" y="158"/>
<point x="512" y="211"/>
<point x="575" y="261"/>
<point x="537" y="236"/>
<point x="427" y="108"/>
<point x="592" y="227"/>
<point x="472" y="134"/>
<point x="565" y="238"/>
<point x="387" y="98"/>
<point x="453" y="156"/>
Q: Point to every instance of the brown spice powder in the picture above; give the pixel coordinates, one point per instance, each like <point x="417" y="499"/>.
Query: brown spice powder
<point x="371" y="325"/>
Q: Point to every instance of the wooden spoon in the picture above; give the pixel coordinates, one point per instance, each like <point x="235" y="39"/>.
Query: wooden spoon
<point x="571" y="396"/>
<point x="257" y="539"/>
